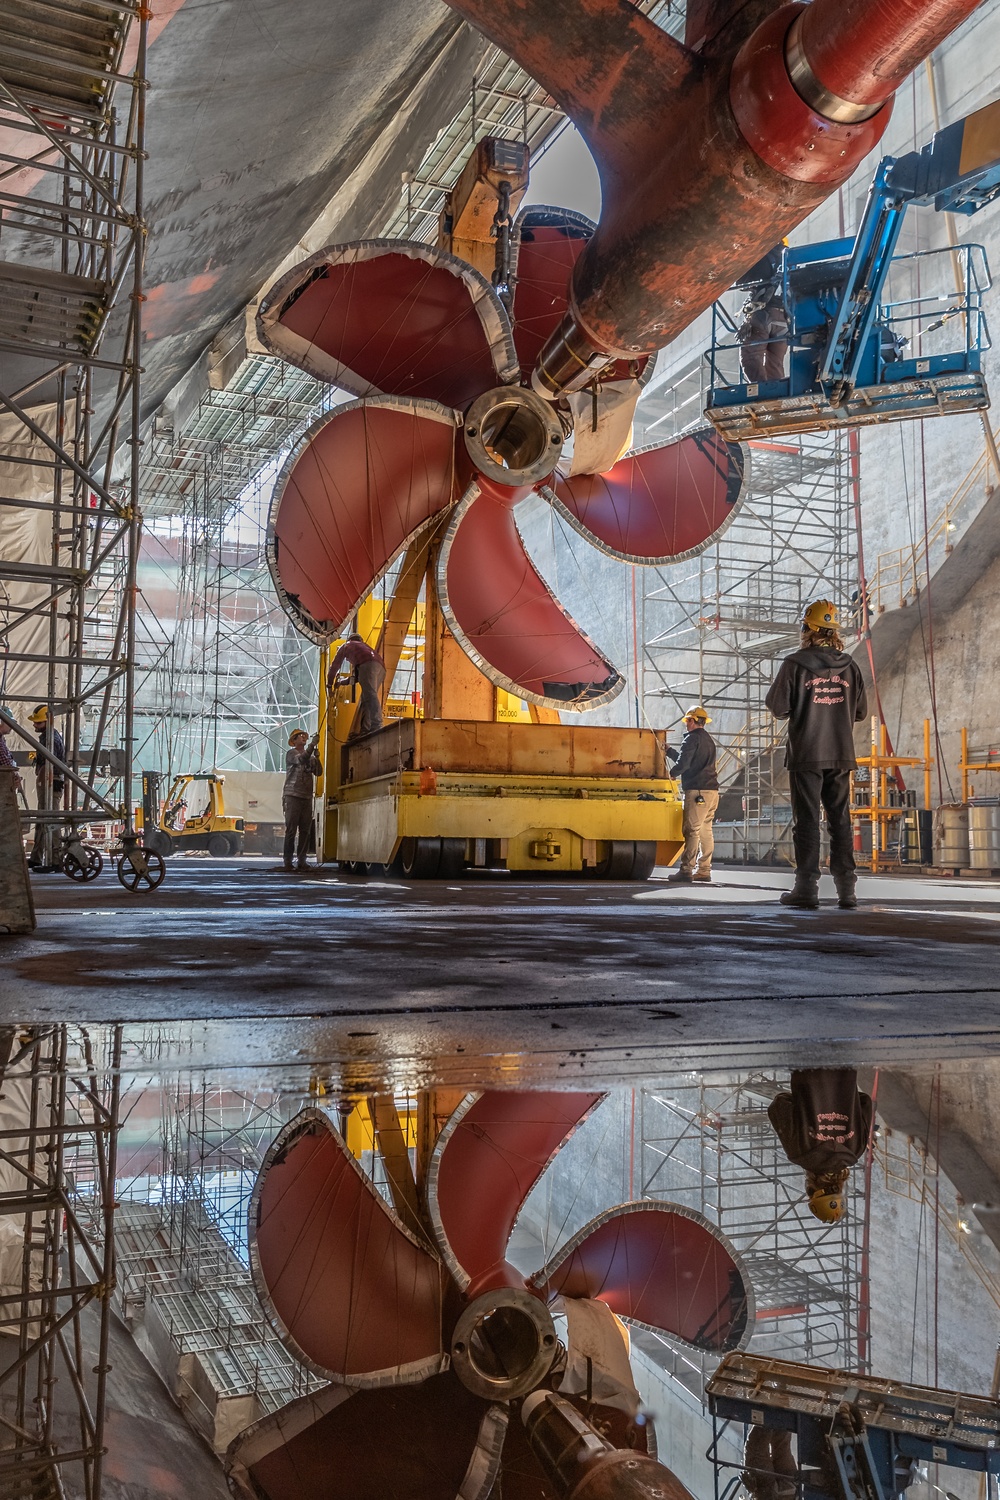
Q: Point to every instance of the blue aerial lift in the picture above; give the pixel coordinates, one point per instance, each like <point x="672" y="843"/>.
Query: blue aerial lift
<point x="856" y="1437"/>
<point x="853" y="357"/>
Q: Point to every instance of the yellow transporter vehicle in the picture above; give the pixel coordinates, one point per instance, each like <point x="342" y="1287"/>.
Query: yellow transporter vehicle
<point x="436" y="791"/>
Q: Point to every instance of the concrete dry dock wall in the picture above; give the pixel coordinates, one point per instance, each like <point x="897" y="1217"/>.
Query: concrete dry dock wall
<point x="960" y="613"/>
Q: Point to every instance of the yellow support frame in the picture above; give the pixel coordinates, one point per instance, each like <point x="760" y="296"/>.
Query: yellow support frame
<point x="561" y="818"/>
<point x="965" y="765"/>
<point x="881" y="764"/>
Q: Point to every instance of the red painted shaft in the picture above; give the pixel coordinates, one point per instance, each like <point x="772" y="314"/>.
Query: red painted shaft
<point x="707" y="158"/>
<point x="861" y="50"/>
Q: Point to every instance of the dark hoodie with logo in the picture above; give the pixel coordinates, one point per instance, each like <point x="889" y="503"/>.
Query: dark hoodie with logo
<point x="822" y="695"/>
<point x="824" y="1123"/>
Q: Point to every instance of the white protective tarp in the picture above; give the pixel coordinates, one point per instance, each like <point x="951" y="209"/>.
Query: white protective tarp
<point x="26" y="537"/>
<point x="15" y="1114"/>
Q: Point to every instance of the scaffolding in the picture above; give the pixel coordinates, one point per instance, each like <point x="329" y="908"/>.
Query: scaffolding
<point x="72" y="105"/>
<point x="220" y="667"/>
<point x="189" y="1151"/>
<point x="707" y="1144"/>
<point x="715" y="627"/>
<point x="59" y="1118"/>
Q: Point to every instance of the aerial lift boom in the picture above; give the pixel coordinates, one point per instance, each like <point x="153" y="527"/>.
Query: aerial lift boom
<point x="931" y="177"/>
<point x="851" y="355"/>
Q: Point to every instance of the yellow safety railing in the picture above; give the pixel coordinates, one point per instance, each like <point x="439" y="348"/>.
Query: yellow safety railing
<point x="901" y="572"/>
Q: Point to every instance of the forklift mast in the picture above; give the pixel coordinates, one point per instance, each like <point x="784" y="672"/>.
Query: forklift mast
<point x="151" y="784"/>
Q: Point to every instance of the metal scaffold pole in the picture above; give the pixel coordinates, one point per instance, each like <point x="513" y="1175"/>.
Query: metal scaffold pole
<point x="72" y="122"/>
<point x="59" y="1120"/>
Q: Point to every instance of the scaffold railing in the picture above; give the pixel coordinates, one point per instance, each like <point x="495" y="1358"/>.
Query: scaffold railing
<point x="709" y="1145"/>
<point x="715" y="628"/>
<point x="72" y="110"/>
<point x="59" y="1116"/>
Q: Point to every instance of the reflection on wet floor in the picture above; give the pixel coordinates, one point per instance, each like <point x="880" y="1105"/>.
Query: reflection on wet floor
<point x="879" y="1253"/>
<point x="376" y="983"/>
<point x="629" y="1045"/>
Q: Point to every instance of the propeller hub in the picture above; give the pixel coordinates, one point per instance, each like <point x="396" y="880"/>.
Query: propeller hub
<point x="503" y="1345"/>
<point x="513" y="436"/>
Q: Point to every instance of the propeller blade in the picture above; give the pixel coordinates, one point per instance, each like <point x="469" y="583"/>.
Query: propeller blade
<point x="435" y="1441"/>
<point x="346" y="1287"/>
<point x="488" y="1157"/>
<point x="391" y="317"/>
<point x="658" y="505"/>
<point x="357" y="488"/>
<point x="662" y="1267"/>
<point x="547" y="244"/>
<point x="505" y="616"/>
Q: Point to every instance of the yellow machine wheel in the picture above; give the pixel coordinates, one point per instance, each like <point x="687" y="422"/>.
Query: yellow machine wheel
<point x="452" y="862"/>
<point x="420" y="859"/>
<point x="624" y="859"/>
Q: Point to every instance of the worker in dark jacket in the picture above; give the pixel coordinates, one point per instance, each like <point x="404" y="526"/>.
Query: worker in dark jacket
<point x="694" y="765"/>
<point x="820" y="691"/>
<point x="302" y="766"/>
<point x="825" y="1126"/>
<point x="48" y="792"/>
<point x="369" y="673"/>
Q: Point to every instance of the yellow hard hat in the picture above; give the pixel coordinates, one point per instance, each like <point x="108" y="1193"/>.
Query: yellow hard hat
<point x="39" y="714"/>
<point x="295" y="734"/>
<point x="827" y="1207"/>
<point x="698" y="713"/>
<point x="821" y="615"/>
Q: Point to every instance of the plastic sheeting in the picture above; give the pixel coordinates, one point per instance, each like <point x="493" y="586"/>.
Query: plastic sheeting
<point x="26" y="537"/>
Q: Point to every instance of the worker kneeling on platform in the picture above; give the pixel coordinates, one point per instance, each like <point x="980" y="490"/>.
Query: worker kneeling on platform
<point x="820" y="691"/>
<point x="302" y="766"/>
<point x="825" y="1126"/>
<point x="368" y="670"/>
<point x="694" y="764"/>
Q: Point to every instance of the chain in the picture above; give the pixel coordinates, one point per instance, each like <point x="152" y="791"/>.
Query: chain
<point x="500" y="231"/>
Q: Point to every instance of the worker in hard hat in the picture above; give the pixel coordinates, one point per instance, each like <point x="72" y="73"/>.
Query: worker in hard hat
<point x="820" y="691"/>
<point x="824" y="1125"/>
<point x="368" y="670"/>
<point x="7" y="761"/>
<point x="694" y="766"/>
<point x="302" y="766"/>
<point x="50" y="783"/>
<point x="763" y="326"/>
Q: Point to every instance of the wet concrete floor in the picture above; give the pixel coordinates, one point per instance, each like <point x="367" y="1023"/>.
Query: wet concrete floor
<point x="494" y="978"/>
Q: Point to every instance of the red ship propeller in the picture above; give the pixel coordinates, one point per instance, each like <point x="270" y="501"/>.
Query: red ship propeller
<point x="430" y="1334"/>
<point x="447" y="426"/>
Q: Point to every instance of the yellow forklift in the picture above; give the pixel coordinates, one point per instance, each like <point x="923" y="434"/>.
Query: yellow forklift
<point x="172" y="826"/>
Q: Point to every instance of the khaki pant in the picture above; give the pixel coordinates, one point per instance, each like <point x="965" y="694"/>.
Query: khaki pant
<point x="697" y="826"/>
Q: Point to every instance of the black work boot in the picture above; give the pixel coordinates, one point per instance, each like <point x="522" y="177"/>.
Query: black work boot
<point x="846" y="898"/>
<point x="803" y="894"/>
